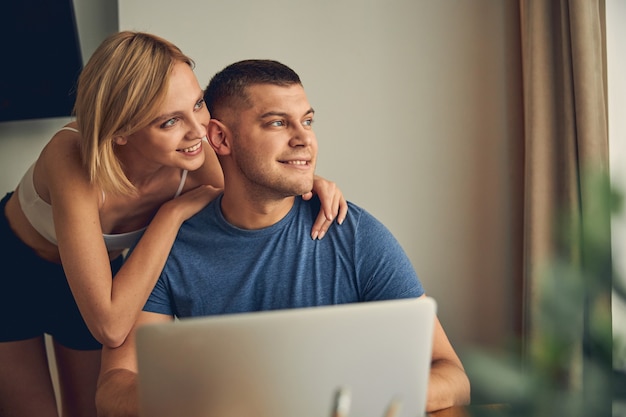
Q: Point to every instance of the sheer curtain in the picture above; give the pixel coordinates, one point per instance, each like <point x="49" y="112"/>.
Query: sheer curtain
<point x="566" y="138"/>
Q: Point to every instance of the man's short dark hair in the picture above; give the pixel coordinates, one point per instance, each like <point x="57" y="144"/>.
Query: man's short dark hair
<point x="227" y="88"/>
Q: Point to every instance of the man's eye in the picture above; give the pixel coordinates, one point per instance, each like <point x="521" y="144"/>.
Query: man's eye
<point x="277" y="123"/>
<point x="308" y="122"/>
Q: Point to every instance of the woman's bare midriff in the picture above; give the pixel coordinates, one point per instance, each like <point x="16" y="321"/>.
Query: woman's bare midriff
<point x="27" y="233"/>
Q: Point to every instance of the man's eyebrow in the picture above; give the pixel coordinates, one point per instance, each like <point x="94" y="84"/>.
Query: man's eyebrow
<point x="283" y="114"/>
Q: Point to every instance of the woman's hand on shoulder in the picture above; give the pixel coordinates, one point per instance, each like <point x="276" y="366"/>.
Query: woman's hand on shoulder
<point x="191" y="202"/>
<point x="333" y="205"/>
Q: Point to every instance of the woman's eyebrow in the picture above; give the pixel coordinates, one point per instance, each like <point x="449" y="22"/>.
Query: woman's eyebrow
<point x="175" y="113"/>
<point x="167" y="116"/>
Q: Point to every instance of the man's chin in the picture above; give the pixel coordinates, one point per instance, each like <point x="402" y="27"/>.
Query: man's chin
<point x="305" y="189"/>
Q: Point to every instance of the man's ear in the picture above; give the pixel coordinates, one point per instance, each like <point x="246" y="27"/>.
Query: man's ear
<point x="219" y="137"/>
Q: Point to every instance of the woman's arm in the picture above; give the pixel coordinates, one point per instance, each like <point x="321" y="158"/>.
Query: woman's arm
<point x="110" y="306"/>
<point x="117" y="393"/>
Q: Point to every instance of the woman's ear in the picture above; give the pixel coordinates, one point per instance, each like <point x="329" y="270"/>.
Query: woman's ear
<point x="219" y="136"/>
<point x="120" y="140"/>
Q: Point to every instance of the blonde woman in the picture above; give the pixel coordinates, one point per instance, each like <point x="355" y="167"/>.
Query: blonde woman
<point x="128" y="172"/>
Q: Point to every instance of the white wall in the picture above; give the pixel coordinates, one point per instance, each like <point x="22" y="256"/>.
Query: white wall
<point x="418" y="115"/>
<point x="20" y="143"/>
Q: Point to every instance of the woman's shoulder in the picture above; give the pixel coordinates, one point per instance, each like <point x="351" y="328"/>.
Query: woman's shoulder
<point x="60" y="155"/>
<point x="58" y="169"/>
<point x="65" y="141"/>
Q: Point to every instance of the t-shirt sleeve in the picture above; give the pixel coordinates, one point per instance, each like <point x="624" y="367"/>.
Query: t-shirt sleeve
<point x="383" y="267"/>
<point x="159" y="300"/>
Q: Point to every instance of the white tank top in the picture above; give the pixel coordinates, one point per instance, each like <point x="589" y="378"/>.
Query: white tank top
<point x="39" y="213"/>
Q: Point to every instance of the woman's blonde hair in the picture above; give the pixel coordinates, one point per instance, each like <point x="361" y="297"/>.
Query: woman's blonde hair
<point x="119" y="92"/>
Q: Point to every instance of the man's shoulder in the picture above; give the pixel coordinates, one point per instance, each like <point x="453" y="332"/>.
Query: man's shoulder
<point x="205" y="219"/>
<point x="314" y="203"/>
<point x="208" y="212"/>
<point x="357" y="216"/>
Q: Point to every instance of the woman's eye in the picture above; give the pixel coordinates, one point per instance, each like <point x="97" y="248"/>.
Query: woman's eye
<point x="169" y="123"/>
<point x="199" y="104"/>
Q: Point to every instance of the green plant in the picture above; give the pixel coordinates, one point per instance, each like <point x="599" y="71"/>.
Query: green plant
<point x="566" y="368"/>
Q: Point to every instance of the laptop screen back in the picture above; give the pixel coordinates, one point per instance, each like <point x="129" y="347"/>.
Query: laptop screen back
<point x="288" y="363"/>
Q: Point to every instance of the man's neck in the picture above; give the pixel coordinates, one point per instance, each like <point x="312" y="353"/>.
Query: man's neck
<point x="248" y="213"/>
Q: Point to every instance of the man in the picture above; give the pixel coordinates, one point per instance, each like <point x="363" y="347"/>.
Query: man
<point x="249" y="249"/>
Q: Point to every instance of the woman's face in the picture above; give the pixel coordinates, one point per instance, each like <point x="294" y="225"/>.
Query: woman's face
<point x="174" y="137"/>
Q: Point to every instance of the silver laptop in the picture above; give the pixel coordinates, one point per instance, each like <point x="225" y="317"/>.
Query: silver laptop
<point x="310" y="362"/>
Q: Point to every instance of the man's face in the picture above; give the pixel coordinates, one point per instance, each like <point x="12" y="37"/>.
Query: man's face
<point x="274" y="146"/>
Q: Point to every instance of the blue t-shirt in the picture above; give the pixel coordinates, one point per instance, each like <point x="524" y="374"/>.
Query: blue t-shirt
<point x="216" y="268"/>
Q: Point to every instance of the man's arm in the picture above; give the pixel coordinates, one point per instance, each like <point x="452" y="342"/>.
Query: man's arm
<point x="448" y="384"/>
<point x="117" y="394"/>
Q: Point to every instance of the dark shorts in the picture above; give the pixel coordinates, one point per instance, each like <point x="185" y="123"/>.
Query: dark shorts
<point x="35" y="297"/>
